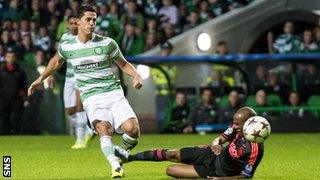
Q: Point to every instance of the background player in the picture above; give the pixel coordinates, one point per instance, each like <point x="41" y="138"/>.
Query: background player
<point x="108" y="110"/>
<point x="71" y="95"/>
<point x="239" y="159"/>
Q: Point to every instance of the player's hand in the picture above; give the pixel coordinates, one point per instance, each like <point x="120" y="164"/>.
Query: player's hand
<point x="137" y="81"/>
<point x="51" y="81"/>
<point x="216" y="149"/>
<point x="35" y="85"/>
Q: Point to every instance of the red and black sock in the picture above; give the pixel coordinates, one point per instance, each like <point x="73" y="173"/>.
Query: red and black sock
<point x="151" y="155"/>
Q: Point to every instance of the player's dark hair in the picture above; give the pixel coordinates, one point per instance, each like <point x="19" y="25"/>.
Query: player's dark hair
<point x="72" y="16"/>
<point x="84" y="9"/>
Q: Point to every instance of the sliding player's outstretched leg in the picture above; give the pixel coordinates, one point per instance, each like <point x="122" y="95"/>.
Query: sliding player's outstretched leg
<point x="156" y="155"/>
<point x="150" y="155"/>
<point x="105" y="132"/>
<point x="190" y="160"/>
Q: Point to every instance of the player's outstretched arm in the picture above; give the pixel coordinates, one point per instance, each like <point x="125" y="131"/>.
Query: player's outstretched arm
<point x="130" y="70"/>
<point x="54" y="64"/>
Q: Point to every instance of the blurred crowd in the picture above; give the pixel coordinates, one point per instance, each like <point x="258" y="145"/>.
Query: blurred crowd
<point x="137" y="25"/>
<point x="215" y="113"/>
<point x="269" y="85"/>
<point x="290" y="42"/>
<point x="30" y="31"/>
<point x="278" y="85"/>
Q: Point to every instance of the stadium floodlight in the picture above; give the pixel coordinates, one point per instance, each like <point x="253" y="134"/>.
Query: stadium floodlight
<point x="144" y="71"/>
<point x="203" y="41"/>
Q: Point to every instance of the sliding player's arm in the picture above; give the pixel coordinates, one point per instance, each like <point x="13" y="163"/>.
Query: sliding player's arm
<point x="228" y="135"/>
<point x="54" y="64"/>
<point x="216" y="144"/>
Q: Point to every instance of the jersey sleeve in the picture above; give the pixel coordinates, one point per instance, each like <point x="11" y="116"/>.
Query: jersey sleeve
<point x="115" y="52"/>
<point x="61" y="53"/>
<point x="62" y="39"/>
<point x="250" y="166"/>
<point x="229" y="133"/>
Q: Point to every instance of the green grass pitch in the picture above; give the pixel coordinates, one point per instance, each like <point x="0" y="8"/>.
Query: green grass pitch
<point x="287" y="156"/>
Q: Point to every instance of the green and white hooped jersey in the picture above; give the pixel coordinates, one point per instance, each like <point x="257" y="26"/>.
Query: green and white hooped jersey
<point x="65" y="37"/>
<point x="91" y="63"/>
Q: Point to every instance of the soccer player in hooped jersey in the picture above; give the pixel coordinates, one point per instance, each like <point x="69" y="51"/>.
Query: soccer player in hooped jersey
<point x="71" y="95"/>
<point x="239" y="159"/>
<point x="108" y="110"/>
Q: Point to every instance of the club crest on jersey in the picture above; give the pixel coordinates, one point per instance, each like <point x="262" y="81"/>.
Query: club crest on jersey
<point x="228" y="131"/>
<point x="98" y="50"/>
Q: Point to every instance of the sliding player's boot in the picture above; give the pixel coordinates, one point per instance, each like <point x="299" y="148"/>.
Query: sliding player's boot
<point x="121" y="153"/>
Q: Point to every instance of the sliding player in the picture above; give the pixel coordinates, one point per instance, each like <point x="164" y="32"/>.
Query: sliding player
<point x="239" y="159"/>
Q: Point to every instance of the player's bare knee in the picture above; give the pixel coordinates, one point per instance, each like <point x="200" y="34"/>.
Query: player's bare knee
<point x="103" y="128"/>
<point x="131" y="127"/>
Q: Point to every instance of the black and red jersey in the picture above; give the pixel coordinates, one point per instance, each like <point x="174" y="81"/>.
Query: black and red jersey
<point x="239" y="156"/>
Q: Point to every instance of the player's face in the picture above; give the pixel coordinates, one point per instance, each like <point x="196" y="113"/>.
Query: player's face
<point x="87" y="22"/>
<point x="72" y="25"/>
<point x="238" y="122"/>
<point x="237" y="126"/>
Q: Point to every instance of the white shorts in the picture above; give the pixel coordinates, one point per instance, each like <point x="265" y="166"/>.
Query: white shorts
<point x="112" y="107"/>
<point x="69" y="92"/>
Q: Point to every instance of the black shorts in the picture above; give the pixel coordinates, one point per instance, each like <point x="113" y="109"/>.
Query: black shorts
<point x="201" y="158"/>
